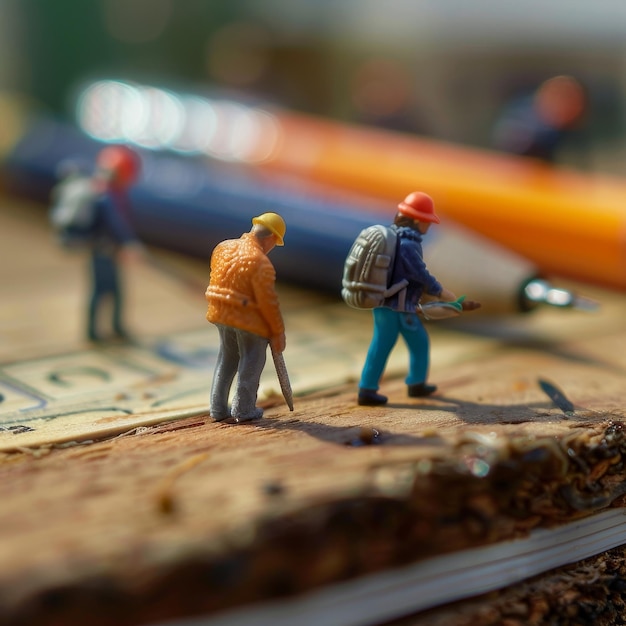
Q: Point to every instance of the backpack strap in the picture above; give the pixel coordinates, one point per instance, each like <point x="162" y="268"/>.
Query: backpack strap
<point x="400" y="286"/>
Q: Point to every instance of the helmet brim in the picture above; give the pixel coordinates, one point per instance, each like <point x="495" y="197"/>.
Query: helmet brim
<point x="413" y="213"/>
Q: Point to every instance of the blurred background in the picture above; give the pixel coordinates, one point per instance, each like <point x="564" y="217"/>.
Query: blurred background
<point x="467" y="73"/>
<point x="444" y="69"/>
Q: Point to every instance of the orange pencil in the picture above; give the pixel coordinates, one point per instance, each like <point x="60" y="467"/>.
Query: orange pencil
<point x="569" y="224"/>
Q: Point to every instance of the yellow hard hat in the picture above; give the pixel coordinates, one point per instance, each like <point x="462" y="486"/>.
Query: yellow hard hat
<point x="274" y="223"/>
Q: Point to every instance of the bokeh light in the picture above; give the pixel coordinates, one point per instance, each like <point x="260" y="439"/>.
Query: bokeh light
<point x="159" y="119"/>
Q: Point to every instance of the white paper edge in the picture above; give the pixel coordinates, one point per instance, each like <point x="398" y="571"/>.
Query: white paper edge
<point x="432" y="582"/>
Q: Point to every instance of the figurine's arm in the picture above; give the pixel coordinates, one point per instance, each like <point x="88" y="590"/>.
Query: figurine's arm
<point x="433" y="289"/>
<point x="448" y="296"/>
<point x="131" y="250"/>
<point x="415" y="271"/>
<point x="115" y="224"/>
<point x="267" y="301"/>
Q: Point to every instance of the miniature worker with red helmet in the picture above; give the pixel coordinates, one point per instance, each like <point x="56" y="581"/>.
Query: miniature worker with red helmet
<point x="398" y="314"/>
<point x="89" y="213"/>
<point x="243" y="304"/>
<point x="113" y="239"/>
<point x="539" y="124"/>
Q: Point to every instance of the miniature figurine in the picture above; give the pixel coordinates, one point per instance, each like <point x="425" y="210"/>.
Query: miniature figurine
<point x="243" y="304"/>
<point x="90" y="212"/>
<point x="385" y="271"/>
<point x="536" y="125"/>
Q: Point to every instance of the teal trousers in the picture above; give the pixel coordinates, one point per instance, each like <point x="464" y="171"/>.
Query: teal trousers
<point x="388" y="325"/>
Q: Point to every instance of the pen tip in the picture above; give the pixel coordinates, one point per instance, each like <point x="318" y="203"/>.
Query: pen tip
<point x="539" y="291"/>
<point x="585" y="304"/>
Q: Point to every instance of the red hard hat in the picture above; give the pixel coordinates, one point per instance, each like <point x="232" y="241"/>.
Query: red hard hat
<point x="122" y="162"/>
<point x="419" y="206"/>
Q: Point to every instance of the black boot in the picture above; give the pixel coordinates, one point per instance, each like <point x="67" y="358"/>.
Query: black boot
<point x="418" y="390"/>
<point x="369" y="397"/>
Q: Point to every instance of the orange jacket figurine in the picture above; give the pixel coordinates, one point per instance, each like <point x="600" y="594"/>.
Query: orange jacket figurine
<point x="244" y="306"/>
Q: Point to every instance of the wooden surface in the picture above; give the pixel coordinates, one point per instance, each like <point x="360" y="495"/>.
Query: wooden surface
<point x="144" y="524"/>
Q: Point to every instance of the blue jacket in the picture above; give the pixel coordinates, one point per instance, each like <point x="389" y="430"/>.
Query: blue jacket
<point x="110" y="229"/>
<point x="410" y="265"/>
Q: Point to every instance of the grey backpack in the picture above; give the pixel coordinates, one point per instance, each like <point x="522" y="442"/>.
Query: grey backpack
<point x="73" y="210"/>
<point x="368" y="268"/>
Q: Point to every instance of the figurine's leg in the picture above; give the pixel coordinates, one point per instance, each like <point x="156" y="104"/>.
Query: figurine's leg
<point x="118" y="300"/>
<point x="418" y="343"/>
<point x="105" y="283"/>
<point x="99" y="280"/>
<point x="225" y="370"/>
<point x="386" y="329"/>
<point x="253" y="349"/>
<point x="92" y="314"/>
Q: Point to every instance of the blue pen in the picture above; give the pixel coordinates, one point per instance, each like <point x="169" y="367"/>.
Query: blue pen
<point x="181" y="204"/>
<point x="185" y="204"/>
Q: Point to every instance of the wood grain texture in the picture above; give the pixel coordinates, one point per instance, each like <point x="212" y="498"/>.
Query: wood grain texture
<point x="192" y="516"/>
<point x="195" y="516"/>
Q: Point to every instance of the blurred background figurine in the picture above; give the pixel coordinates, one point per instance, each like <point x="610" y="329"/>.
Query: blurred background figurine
<point x="243" y="304"/>
<point x="536" y="125"/>
<point x="408" y="287"/>
<point x="90" y="212"/>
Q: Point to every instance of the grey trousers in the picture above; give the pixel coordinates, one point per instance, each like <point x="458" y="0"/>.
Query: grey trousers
<point x="243" y="354"/>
